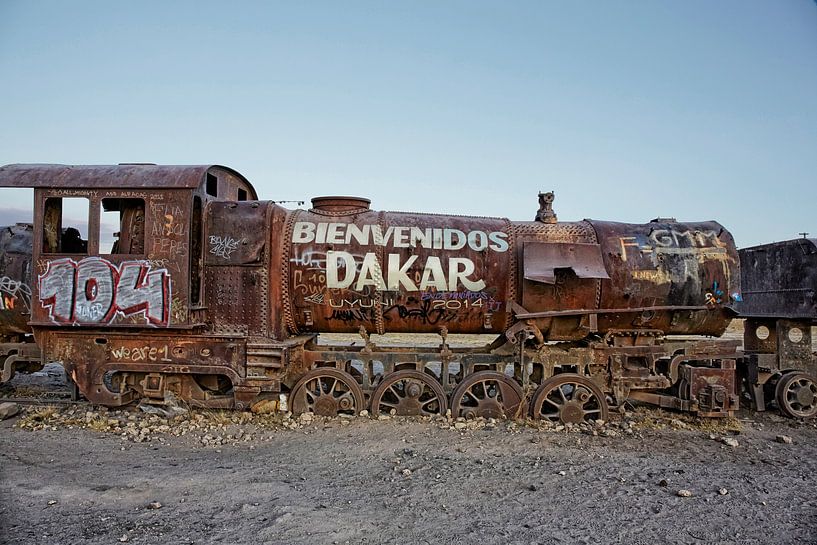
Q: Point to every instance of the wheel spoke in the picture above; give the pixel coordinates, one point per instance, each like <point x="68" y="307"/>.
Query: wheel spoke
<point x="429" y="400"/>
<point x="555" y="404"/>
<point x="392" y="390"/>
<point x="561" y="393"/>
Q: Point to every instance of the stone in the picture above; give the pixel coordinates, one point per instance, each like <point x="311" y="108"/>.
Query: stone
<point x="683" y="493"/>
<point x="7" y="410"/>
<point x="265" y="406"/>
<point x="785" y="439"/>
<point x="730" y="442"/>
<point x="154" y="505"/>
<point x="723" y="491"/>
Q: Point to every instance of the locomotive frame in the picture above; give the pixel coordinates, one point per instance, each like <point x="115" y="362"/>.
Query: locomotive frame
<point x="208" y="293"/>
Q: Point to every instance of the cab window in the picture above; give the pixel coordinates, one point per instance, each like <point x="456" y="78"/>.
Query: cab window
<point x="65" y="225"/>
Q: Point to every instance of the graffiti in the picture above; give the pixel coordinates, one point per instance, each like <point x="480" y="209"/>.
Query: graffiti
<point x="398" y="237"/>
<point x="14" y="292"/>
<point x="178" y="310"/>
<point x="316" y="260"/>
<point x="317" y="298"/>
<point x="95" y="290"/>
<point x="696" y="239"/>
<point x="455" y="300"/>
<point x="163" y="263"/>
<point x="169" y="246"/>
<point x="312" y="284"/>
<point x="658" y="276"/>
<point x="310" y="259"/>
<point x="74" y="192"/>
<point x="673" y="242"/>
<point x="223" y="247"/>
<point x="715" y="295"/>
<point x="353" y="315"/>
<point x="370" y="273"/>
<point x="141" y="353"/>
<point x="359" y="302"/>
<point x="125" y="194"/>
<point x="169" y="229"/>
<point x="425" y="313"/>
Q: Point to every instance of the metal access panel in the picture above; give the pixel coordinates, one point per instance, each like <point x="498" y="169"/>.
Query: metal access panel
<point x="236" y="277"/>
<point x="541" y="259"/>
<point x="794" y="346"/>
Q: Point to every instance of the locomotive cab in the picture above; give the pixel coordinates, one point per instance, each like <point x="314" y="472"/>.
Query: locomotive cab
<point x="118" y="255"/>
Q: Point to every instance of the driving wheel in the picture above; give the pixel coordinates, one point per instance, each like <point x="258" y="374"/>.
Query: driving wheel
<point x="409" y="393"/>
<point x="488" y="394"/>
<point x="569" y="399"/>
<point x="327" y="392"/>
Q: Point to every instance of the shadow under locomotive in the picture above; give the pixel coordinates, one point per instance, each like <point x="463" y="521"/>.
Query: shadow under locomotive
<point x="177" y="279"/>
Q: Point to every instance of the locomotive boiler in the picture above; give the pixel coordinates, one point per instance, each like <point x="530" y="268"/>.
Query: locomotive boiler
<point x="183" y="282"/>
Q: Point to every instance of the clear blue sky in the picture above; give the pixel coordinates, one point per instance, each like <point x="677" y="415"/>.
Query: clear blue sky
<point x="628" y="110"/>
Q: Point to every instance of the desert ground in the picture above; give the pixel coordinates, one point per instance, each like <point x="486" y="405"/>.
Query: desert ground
<point x="78" y="476"/>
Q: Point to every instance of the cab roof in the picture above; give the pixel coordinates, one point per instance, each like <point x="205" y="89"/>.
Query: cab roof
<point x="122" y="176"/>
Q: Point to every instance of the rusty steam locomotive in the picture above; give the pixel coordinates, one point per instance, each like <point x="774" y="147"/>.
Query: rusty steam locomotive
<point x="202" y="290"/>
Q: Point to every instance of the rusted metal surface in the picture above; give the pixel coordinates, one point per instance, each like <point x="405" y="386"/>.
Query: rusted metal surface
<point x="237" y="267"/>
<point x="15" y="278"/>
<point x="672" y="264"/>
<point x="396" y="272"/>
<point x="126" y="176"/>
<point x="413" y="273"/>
<point x="569" y="398"/>
<point x="488" y="394"/>
<point x="327" y="392"/>
<point x="409" y="393"/>
<point x="542" y="260"/>
<point x="17" y="349"/>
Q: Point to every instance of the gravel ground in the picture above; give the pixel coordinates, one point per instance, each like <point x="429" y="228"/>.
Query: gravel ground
<point x="80" y="476"/>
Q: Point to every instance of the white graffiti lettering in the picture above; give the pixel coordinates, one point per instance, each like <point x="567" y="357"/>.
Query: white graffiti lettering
<point x="434" y="275"/>
<point x="95" y="290"/>
<point x="141" y="353"/>
<point x="223" y="247"/>
<point x="671" y="241"/>
<point x="305" y="232"/>
<point x="13" y="292"/>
